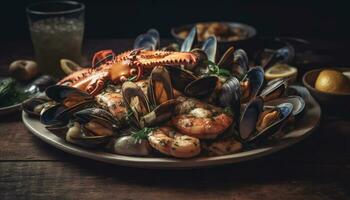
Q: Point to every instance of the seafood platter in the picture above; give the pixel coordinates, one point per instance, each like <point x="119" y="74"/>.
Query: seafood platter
<point x="172" y="107"/>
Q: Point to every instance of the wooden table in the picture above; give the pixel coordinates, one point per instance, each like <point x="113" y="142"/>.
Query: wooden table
<point x="315" y="169"/>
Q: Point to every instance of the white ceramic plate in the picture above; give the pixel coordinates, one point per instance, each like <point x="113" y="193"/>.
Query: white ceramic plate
<point x="303" y="127"/>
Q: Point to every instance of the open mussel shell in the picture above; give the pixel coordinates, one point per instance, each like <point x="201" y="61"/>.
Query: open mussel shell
<point x="202" y="67"/>
<point x="202" y="87"/>
<point x="285" y="55"/>
<point x="297" y="102"/>
<point x="160" y="88"/>
<point x="77" y="135"/>
<point x="180" y="78"/>
<point x="136" y="101"/>
<point x="61" y="114"/>
<point x="147" y="41"/>
<point x="285" y="110"/>
<point x="40" y="84"/>
<point x="230" y="95"/>
<point x="160" y="114"/>
<point x="255" y="77"/>
<point x="240" y="62"/>
<point x="210" y="48"/>
<point x="249" y="118"/>
<point x="190" y="40"/>
<point x="57" y="114"/>
<point x="274" y="89"/>
<point x="98" y="114"/>
<point x="35" y="105"/>
<point x="61" y="93"/>
<point x="226" y="60"/>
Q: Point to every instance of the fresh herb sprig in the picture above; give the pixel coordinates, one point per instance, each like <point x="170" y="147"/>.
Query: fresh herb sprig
<point x="142" y="134"/>
<point x="214" y="69"/>
<point x="10" y="93"/>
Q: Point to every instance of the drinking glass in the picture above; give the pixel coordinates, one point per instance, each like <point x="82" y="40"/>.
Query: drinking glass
<point x="57" y="29"/>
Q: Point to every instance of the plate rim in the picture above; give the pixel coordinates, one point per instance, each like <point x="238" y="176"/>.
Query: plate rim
<point x="170" y="163"/>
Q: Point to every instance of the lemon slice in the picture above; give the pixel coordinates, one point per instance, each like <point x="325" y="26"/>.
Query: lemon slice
<point x="69" y="66"/>
<point x="281" y="71"/>
<point x="332" y="81"/>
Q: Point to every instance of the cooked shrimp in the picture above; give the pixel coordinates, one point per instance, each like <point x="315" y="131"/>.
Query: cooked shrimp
<point x="167" y="141"/>
<point x="200" y="120"/>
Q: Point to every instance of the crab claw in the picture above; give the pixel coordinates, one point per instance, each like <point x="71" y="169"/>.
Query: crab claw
<point x="102" y="57"/>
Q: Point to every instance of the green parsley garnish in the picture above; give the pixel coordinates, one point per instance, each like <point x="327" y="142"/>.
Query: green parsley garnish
<point x="10" y="93"/>
<point x="141" y="134"/>
<point x="216" y="70"/>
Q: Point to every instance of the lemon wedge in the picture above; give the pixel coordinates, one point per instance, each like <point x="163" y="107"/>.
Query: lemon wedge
<point x="332" y="81"/>
<point x="69" y="66"/>
<point x="281" y="71"/>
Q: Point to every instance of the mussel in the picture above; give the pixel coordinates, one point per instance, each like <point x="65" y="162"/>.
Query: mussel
<point x="297" y="102"/>
<point x="269" y="57"/>
<point x="36" y="105"/>
<point x="191" y="85"/>
<point x="190" y="40"/>
<point x="274" y="89"/>
<point x="235" y="61"/>
<point x="252" y="84"/>
<point x="259" y="123"/>
<point x="92" y="127"/>
<point x="230" y="95"/>
<point x="149" y="40"/>
<point x="154" y="108"/>
<point x="69" y="100"/>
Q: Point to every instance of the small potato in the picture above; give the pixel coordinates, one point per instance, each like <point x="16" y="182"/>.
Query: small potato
<point x="23" y="70"/>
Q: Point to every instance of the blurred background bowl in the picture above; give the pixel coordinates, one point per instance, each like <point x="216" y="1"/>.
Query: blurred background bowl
<point x="332" y="104"/>
<point x="223" y="44"/>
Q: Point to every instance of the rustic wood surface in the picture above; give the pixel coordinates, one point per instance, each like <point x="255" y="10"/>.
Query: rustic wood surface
<point x="318" y="168"/>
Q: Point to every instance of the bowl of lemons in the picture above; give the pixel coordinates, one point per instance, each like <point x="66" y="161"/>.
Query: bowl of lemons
<point x="331" y="88"/>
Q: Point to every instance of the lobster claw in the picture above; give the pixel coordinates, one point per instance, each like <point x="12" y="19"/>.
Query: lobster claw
<point x="102" y="57"/>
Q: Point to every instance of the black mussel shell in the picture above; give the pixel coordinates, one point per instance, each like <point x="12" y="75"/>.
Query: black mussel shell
<point x="256" y="78"/>
<point x="180" y="78"/>
<point x="202" y="87"/>
<point x="147" y="41"/>
<point x="274" y="89"/>
<point x="160" y="88"/>
<point x="285" y="111"/>
<point x="190" y="40"/>
<point x="210" y="48"/>
<point x="88" y="114"/>
<point x="160" y="114"/>
<point x="30" y="104"/>
<point x="230" y="95"/>
<point x="59" y="93"/>
<point x="297" y="102"/>
<point x="249" y="118"/>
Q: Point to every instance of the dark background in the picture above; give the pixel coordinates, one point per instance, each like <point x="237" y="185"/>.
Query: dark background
<point x="122" y="19"/>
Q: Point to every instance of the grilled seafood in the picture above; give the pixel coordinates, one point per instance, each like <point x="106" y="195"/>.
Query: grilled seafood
<point x="181" y="104"/>
<point x="170" y="142"/>
<point x="118" y="69"/>
<point x="200" y="120"/>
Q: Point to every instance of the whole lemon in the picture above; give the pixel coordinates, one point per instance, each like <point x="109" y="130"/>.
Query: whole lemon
<point x="332" y="81"/>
